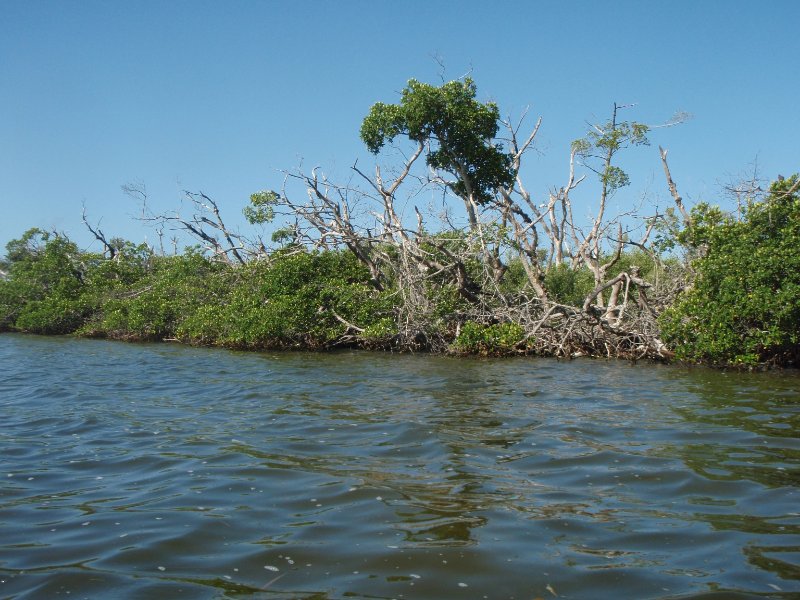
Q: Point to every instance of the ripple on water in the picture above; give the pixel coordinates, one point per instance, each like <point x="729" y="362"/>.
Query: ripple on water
<point x="157" y="471"/>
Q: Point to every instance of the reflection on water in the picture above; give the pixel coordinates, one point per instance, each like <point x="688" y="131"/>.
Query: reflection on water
<point x="157" y="471"/>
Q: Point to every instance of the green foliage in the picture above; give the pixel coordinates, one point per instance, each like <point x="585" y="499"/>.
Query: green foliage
<point x="53" y="315"/>
<point x="705" y="219"/>
<point x="515" y="278"/>
<point x="292" y="301"/>
<point x="157" y="304"/>
<point x="497" y="339"/>
<point x="28" y="247"/>
<point x="460" y="128"/>
<point x="615" y="178"/>
<point x="130" y="265"/>
<point x="54" y="288"/>
<point x="744" y="307"/>
<point x="45" y="282"/>
<point x="666" y="229"/>
<point x="446" y="302"/>
<point x="634" y="258"/>
<point x="569" y="286"/>
<point x="262" y="207"/>
<point x="380" y="331"/>
<point x="296" y="299"/>
<point x="284" y="235"/>
<point x="603" y="142"/>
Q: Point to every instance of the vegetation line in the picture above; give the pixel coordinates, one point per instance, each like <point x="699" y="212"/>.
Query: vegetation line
<point x="360" y="265"/>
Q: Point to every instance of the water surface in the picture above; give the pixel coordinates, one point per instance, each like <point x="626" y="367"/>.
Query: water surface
<point x="160" y="471"/>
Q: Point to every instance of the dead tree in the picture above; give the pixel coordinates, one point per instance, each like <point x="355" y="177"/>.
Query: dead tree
<point x="379" y="220"/>
<point x="109" y="248"/>
<point x="205" y="225"/>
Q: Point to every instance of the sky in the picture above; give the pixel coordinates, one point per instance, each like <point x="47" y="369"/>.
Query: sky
<point x="221" y="97"/>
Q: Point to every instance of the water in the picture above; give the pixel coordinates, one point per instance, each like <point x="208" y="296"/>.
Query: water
<point x="159" y="471"/>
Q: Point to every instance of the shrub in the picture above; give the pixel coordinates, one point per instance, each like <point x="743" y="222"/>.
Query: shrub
<point x="45" y="284"/>
<point x="497" y="339"/>
<point x="156" y="305"/>
<point x="744" y="307"/>
<point x="291" y="301"/>
<point x="569" y="286"/>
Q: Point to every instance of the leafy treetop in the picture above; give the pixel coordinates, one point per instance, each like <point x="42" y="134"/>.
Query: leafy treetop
<point x="603" y="142"/>
<point x="459" y="129"/>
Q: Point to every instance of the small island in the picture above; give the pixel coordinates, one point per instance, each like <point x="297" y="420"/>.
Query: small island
<point x="489" y="270"/>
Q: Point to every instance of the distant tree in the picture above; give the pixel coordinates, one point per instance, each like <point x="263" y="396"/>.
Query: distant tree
<point x="45" y="281"/>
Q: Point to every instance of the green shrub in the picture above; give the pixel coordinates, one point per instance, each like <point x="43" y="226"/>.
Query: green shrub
<point x="569" y="286"/>
<point x="156" y="305"/>
<point x="634" y="258"/>
<point x="43" y="292"/>
<point x="515" y="278"/>
<point x="381" y="331"/>
<point x="53" y="315"/>
<point x="291" y="301"/>
<point x="744" y="306"/>
<point x="500" y="338"/>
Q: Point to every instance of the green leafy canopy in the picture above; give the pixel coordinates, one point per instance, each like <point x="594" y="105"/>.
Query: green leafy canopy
<point x="261" y="209"/>
<point x="602" y="143"/>
<point x="459" y="129"/>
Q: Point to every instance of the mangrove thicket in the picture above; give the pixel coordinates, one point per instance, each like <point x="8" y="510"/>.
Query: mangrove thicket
<point x="489" y="268"/>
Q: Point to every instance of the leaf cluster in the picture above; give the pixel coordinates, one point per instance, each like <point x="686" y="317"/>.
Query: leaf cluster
<point x="261" y="209"/>
<point x="603" y="142"/>
<point x="458" y="129"/>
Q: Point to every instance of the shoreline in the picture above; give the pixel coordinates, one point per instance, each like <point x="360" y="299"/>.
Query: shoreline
<point x="298" y="348"/>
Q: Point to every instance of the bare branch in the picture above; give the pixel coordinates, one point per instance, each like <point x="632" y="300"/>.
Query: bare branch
<point x="99" y="235"/>
<point x="673" y="189"/>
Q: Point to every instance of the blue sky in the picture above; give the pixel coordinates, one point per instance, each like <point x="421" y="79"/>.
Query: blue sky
<point x="219" y="96"/>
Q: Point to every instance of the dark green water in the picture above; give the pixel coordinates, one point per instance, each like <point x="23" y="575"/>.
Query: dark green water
<point x="159" y="471"/>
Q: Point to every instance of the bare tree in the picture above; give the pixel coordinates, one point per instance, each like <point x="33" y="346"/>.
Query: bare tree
<point x="421" y="256"/>
<point x="109" y="248"/>
<point x="617" y="317"/>
<point x="205" y="225"/>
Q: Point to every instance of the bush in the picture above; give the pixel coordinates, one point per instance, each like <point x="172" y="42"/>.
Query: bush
<point x="43" y="293"/>
<point x="569" y="286"/>
<point x="744" y="306"/>
<point x="54" y="315"/>
<point x="497" y="339"/>
<point x="380" y="332"/>
<point x="292" y="301"/>
<point x="156" y="305"/>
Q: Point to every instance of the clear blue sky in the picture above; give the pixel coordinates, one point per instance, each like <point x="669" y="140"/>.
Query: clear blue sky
<point x="218" y="96"/>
